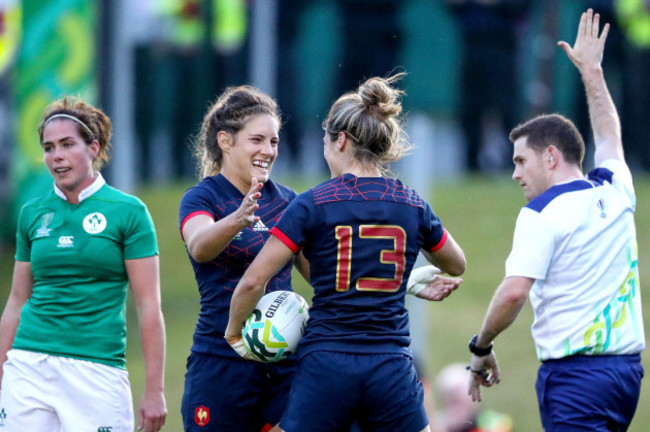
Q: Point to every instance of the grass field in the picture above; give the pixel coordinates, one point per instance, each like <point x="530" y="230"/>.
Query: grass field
<point x="480" y="213"/>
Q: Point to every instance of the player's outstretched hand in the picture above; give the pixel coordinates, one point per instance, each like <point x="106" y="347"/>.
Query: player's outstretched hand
<point x="484" y="371"/>
<point x="439" y="289"/>
<point x="152" y="412"/>
<point x="245" y="214"/>
<point x="420" y="277"/>
<point x="426" y="283"/>
<point x="587" y="52"/>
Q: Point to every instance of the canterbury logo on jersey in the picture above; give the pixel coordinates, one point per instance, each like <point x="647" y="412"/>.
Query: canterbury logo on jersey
<point x="105" y="429"/>
<point x="259" y="226"/>
<point x="66" y="241"/>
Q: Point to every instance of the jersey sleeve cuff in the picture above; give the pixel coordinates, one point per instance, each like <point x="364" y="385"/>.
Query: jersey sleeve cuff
<point x="190" y="216"/>
<point x="442" y="241"/>
<point x="284" y="239"/>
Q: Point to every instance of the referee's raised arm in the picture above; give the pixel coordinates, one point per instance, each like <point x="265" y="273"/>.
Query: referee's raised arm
<point x="587" y="55"/>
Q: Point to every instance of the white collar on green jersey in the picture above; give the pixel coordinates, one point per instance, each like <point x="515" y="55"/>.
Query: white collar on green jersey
<point x="94" y="187"/>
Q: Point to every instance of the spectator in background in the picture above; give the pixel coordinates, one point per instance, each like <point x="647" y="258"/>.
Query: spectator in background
<point x="634" y="20"/>
<point x="326" y="47"/>
<point x="454" y="409"/>
<point x="172" y="76"/>
<point x="10" y="31"/>
<point x="489" y="85"/>
<point x="185" y="50"/>
<point x="372" y="40"/>
<point x="292" y="69"/>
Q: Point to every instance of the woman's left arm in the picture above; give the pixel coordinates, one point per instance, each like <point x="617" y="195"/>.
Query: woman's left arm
<point x="144" y="278"/>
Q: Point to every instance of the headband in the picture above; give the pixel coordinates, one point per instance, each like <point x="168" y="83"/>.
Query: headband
<point x="73" y="118"/>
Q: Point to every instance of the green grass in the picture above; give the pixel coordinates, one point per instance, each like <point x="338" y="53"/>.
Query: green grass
<point x="480" y="213"/>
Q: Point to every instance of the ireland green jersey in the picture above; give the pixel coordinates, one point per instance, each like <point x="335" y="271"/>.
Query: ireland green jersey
<point x="77" y="252"/>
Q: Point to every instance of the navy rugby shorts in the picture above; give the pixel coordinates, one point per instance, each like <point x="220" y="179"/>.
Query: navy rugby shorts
<point x="234" y="395"/>
<point x="589" y="393"/>
<point x="331" y="389"/>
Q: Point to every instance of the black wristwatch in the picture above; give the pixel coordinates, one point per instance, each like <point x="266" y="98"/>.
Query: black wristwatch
<point x="478" y="351"/>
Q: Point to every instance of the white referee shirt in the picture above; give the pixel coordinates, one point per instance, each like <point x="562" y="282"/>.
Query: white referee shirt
<point x="578" y="241"/>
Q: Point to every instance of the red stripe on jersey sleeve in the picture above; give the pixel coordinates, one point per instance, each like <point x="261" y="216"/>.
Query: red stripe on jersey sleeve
<point x="442" y="241"/>
<point x="190" y="216"/>
<point x="284" y="239"/>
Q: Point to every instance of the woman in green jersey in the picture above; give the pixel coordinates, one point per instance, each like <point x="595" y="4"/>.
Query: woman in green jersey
<point x="63" y="330"/>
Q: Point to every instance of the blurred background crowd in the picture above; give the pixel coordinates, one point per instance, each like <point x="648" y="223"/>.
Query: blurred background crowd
<point x="475" y="68"/>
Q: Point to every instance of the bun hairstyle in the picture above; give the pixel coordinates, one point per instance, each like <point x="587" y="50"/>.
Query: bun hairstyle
<point x="92" y="124"/>
<point x="371" y="117"/>
<point x="230" y="113"/>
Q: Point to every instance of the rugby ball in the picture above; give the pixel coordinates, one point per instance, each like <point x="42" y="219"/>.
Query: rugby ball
<point x="272" y="332"/>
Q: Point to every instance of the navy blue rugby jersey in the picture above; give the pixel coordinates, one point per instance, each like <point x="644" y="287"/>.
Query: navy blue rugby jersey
<point x="217" y="197"/>
<point x="361" y="237"/>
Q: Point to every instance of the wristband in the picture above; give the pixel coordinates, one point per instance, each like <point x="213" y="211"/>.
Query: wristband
<point x="478" y="351"/>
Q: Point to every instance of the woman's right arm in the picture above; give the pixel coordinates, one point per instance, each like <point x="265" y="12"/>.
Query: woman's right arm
<point x="21" y="290"/>
<point x="206" y="238"/>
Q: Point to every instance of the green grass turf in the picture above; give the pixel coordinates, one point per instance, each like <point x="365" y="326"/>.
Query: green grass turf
<point x="480" y="212"/>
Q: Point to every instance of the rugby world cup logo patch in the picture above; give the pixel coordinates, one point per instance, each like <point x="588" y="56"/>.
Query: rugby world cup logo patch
<point x="94" y="223"/>
<point x="44" y="231"/>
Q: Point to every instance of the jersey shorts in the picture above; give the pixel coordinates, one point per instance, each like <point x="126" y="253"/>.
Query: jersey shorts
<point x="249" y="395"/>
<point x="46" y="393"/>
<point x="609" y="387"/>
<point x="382" y="391"/>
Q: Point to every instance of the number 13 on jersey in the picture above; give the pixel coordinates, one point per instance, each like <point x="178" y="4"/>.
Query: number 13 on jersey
<point x="395" y="256"/>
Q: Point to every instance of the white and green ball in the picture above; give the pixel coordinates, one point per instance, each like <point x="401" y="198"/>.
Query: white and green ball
<point x="273" y="330"/>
